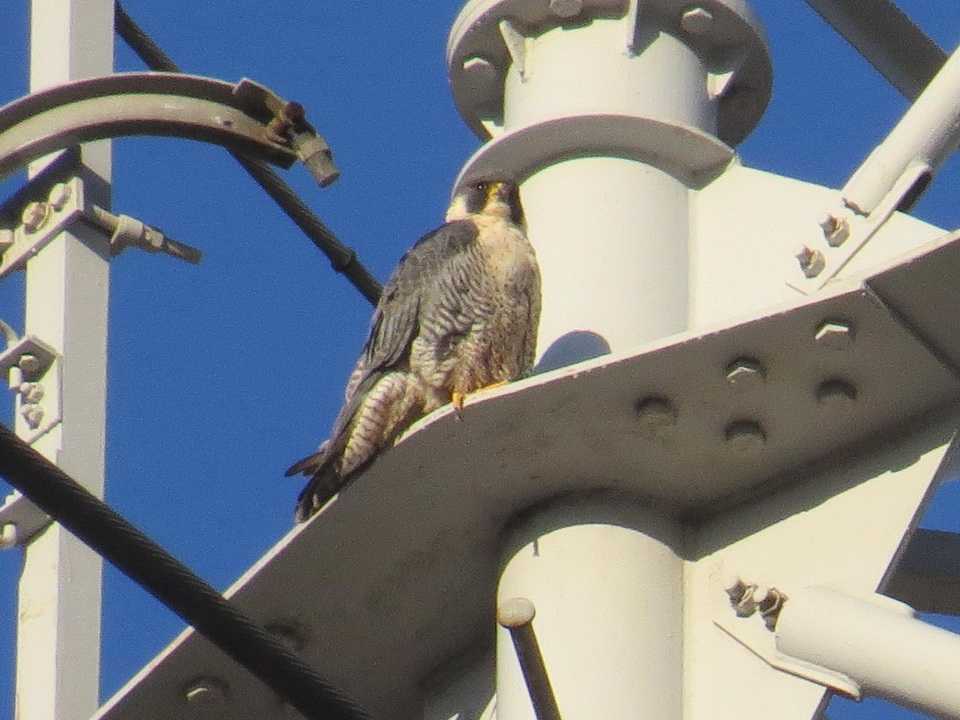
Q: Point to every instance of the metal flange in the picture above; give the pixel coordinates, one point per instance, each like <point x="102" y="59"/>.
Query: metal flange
<point x="167" y="104"/>
<point x="725" y="33"/>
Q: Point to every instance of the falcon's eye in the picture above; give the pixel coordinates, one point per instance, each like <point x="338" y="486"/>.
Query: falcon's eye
<point x="481" y="186"/>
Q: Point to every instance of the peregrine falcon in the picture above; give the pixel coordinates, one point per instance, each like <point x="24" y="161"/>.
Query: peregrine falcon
<point x="459" y="313"/>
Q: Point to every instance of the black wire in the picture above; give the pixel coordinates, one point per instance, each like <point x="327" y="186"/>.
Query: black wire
<point x="342" y="258"/>
<point x="171" y="582"/>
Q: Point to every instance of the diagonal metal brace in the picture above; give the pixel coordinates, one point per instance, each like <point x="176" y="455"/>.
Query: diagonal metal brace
<point x="167" y="104"/>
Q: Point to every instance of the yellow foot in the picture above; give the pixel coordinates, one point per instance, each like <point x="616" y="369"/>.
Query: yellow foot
<point x="457" y="398"/>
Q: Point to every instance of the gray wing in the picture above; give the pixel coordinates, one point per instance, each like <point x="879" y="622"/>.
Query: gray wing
<point x="396" y="321"/>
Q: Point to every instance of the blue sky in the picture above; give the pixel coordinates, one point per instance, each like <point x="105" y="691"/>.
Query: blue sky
<point x="221" y="375"/>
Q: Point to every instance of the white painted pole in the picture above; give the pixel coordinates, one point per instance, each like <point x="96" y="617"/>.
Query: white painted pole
<point x="606" y="582"/>
<point x="609" y="122"/>
<point x="58" y="633"/>
<point x="878" y="643"/>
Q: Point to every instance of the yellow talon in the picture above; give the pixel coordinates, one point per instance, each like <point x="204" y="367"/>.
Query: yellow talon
<point x="456" y="399"/>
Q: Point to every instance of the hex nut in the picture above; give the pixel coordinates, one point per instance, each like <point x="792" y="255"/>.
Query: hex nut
<point x="696" y="20"/>
<point x="812" y="262"/>
<point x="745" y="372"/>
<point x="656" y="415"/>
<point x="745" y="436"/>
<point x="834" y="335"/>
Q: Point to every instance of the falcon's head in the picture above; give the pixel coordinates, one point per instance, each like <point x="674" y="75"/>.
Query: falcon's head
<point x="496" y="197"/>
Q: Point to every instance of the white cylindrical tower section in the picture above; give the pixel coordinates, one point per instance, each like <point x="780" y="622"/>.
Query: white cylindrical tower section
<point x="608" y="112"/>
<point x="589" y="70"/>
<point x="606" y="583"/>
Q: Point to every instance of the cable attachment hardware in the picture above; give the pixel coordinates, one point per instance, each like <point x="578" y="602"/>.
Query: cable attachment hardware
<point x="289" y="126"/>
<point x="126" y="231"/>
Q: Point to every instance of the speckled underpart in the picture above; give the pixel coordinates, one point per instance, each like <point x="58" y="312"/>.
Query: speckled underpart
<point x="459" y="313"/>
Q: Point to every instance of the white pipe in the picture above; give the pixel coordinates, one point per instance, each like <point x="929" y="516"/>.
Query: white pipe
<point x="926" y="135"/>
<point x="607" y="586"/>
<point x="876" y="642"/>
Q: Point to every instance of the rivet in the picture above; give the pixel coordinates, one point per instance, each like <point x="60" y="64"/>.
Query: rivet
<point x="745" y="372"/>
<point x="656" y="415"/>
<point x="205" y="691"/>
<point x="566" y="8"/>
<point x="34" y="216"/>
<point x="836" y="394"/>
<point x="696" y="20"/>
<point x="834" y="334"/>
<point x="59" y="195"/>
<point x="745" y="436"/>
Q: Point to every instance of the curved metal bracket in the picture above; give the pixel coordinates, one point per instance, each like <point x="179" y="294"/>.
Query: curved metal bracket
<point x="167" y="104"/>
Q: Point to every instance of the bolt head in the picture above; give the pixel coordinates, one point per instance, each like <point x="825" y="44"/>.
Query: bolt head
<point x="836" y="394"/>
<point x="566" y="8"/>
<point x="204" y="692"/>
<point x="745" y="373"/>
<point x="29" y="363"/>
<point x="696" y="20"/>
<point x="516" y="612"/>
<point x="656" y="416"/>
<point x="31" y="392"/>
<point x="59" y="196"/>
<point x="34" y="216"/>
<point x="834" y="335"/>
<point x="745" y="436"/>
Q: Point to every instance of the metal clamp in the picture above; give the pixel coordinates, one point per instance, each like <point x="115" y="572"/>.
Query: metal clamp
<point x="26" y="363"/>
<point x="58" y="197"/>
<point x="288" y="126"/>
<point x="169" y="104"/>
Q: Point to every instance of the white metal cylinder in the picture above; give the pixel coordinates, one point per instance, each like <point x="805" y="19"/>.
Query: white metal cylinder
<point x="589" y="71"/>
<point x="878" y="644"/>
<point x="927" y="134"/>
<point x="614" y="262"/>
<point x="607" y="586"/>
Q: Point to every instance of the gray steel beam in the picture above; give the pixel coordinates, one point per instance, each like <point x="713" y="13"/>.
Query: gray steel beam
<point x="887" y="38"/>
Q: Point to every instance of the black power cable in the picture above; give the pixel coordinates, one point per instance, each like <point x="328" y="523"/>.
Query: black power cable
<point x="342" y="258"/>
<point x="171" y="582"/>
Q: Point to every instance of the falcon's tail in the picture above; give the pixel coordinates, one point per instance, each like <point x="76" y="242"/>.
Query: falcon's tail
<point x="324" y="483"/>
